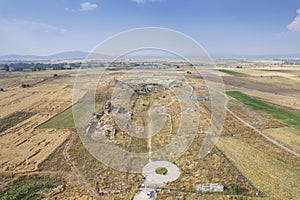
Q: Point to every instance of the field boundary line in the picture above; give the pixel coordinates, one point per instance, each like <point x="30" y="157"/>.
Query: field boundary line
<point x="238" y="171"/>
<point x="262" y="134"/>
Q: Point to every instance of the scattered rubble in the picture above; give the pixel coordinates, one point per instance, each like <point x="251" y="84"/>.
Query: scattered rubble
<point x="213" y="187"/>
<point x="200" y="98"/>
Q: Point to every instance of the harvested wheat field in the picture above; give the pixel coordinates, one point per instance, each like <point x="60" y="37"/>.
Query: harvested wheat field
<point x="23" y="147"/>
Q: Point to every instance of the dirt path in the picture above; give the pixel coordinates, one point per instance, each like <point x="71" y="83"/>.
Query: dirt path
<point x="262" y="134"/>
<point x="77" y="174"/>
<point x="149" y="143"/>
<point x="150" y="132"/>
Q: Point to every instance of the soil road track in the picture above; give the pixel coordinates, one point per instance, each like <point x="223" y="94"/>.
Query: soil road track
<point x="262" y="134"/>
<point x="77" y="174"/>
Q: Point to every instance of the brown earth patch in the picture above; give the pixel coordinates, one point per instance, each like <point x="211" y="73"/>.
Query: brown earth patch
<point x="14" y="119"/>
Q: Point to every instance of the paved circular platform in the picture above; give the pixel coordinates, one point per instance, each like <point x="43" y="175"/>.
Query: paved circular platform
<point x="153" y="178"/>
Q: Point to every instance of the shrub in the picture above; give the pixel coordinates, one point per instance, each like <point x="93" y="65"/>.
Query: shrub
<point x="234" y="188"/>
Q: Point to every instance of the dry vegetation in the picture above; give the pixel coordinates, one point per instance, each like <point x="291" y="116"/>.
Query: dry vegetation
<point x="13" y="119"/>
<point x="23" y="146"/>
<point x="276" y="179"/>
<point x="289" y="137"/>
<point x="38" y="139"/>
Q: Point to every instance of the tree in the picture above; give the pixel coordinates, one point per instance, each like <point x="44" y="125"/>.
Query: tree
<point x="6" y="67"/>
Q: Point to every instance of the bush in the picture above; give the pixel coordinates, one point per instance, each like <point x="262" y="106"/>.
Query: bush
<point x="234" y="188"/>
<point x="161" y="171"/>
<point x="24" y="85"/>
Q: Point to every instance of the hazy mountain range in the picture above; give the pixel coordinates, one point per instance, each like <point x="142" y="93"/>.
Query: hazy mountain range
<point x="68" y="55"/>
<point x="78" y="55"/>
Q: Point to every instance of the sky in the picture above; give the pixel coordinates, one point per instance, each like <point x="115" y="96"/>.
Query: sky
<point x="237" y="27"/>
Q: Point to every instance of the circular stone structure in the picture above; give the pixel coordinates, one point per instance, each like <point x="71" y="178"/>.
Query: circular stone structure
<point x="153" y="178"/>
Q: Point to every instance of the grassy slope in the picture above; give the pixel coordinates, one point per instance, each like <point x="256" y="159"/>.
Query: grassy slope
<point x="284" y="116"/>
<point x="65" y="119"/>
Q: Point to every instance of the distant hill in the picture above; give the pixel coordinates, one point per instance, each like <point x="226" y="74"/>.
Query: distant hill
<point x="68" y="55"/>
<point x="266" y="56"/>
<point x="79" y="55"/>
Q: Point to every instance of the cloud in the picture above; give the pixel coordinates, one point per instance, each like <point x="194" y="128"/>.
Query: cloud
<point x="86" y="6"/>
<point x="145" y="1"/>
<point x="31" y="26"/>
<point x="295" y="24"/>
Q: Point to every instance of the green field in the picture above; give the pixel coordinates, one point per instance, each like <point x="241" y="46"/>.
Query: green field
<point x="35" y="188"/>
<point x="233" y="73"/>
<point x="66" y="120"/>
<point x="289" y="118"/>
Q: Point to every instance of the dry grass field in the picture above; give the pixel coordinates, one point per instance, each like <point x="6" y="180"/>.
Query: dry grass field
<point x="274" y="178"/>
<point x="39" y="143"/>
<point x="287" y="136"/>
<point x="267" y="165"/>
<point x="23" y="147"/>
<point x="276" y="85"/>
